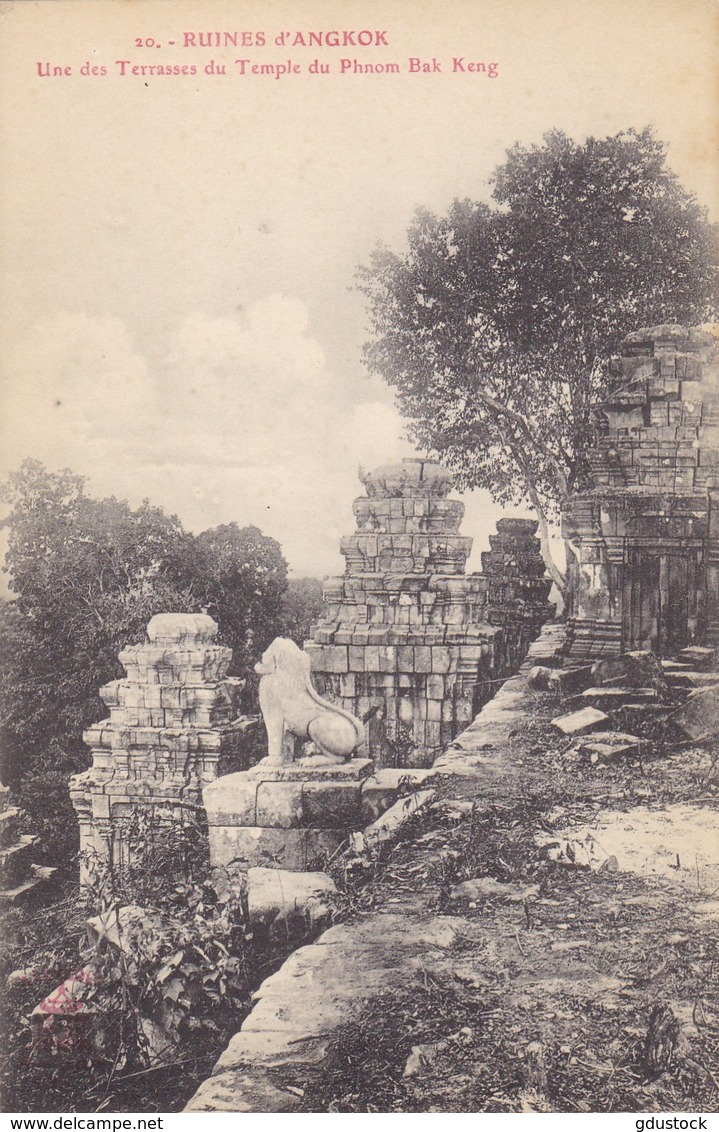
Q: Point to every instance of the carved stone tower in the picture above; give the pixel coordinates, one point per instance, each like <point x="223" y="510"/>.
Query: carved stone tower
<point x="644" y="539"/>
<point x="408" y="640"/>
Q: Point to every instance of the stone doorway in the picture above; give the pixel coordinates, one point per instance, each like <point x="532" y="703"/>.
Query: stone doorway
<point x="661" y="599"/>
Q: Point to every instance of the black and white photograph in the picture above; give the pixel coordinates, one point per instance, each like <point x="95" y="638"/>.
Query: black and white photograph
<point x="359" y="524"/>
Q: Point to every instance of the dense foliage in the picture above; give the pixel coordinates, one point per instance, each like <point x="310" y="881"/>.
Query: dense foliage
<point x="158" y="1010"/>
<point x="86" y="576"/>
<point x="302" y="607"/>
<point x="497" y="324"/>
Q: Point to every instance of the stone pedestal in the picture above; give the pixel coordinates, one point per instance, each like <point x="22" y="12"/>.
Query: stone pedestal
<point x="291" y="817"/>
<point x="171" y="720"/>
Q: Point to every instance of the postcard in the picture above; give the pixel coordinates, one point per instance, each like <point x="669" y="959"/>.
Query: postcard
<point x="360" y="512"/>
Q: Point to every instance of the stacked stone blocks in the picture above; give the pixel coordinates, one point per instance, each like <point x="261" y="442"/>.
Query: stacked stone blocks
<point x="649" y="526"/>
<point x="19" y="877"/>
<point x="293" y="816"/>
<point x="172" y="718"/>
<point x="407" y="637"/>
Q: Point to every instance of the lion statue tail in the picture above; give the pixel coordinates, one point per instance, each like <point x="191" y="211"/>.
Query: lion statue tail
<point x="329" y="706"/>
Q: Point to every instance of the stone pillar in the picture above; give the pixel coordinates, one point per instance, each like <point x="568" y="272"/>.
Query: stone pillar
<point x="408" y="641"/>
<point x="171" y="720"/>
<point x="517" y="587"/>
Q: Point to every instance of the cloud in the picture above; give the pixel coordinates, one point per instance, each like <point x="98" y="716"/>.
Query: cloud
<point x="238" y="419"/>
<point x="73" y="380"/>
<point x="251" y="390"/>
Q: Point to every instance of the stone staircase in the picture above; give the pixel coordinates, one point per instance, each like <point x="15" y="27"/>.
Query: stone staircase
<point x="19" y="877"/>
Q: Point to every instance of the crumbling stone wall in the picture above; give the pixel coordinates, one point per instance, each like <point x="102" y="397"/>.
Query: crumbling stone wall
<point x="644" y="539"/>
<point x="172" y="718"/>
<point x="408" y="640"/>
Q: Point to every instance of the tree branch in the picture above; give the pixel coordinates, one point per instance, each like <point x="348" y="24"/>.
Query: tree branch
<point x="534" y="441"/>
<point x="555" y="573"/>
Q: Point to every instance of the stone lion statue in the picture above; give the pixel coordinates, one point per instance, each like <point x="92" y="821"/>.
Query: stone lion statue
<point x="291" y="707"/>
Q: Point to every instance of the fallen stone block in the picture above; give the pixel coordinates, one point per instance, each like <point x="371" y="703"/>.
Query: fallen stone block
<point x="671" y="666"/>
<point x="690" y="678"/>
<point x="698" y="717"/>
<point x="607" y="746"/>
<point x="587" y="719"/>
<point x="569" y="680"/>
<point x="699" y="655"/>
<point x="539" y="678"/>
<point x="634" y="669"/>
<point x="281" y="896"/>
<point x="389" y="825"/>
<point x="564" y="680"/>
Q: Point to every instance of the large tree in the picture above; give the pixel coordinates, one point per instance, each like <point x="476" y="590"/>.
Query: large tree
<point x="497" y="323"/>
<point x="85" y="576"/>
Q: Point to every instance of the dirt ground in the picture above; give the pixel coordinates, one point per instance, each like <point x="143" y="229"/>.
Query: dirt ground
<point x="583" y="976"/>
<point x="575" y="987"/>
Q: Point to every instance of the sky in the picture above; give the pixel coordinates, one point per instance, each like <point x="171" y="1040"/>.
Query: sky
<point x="177" y="296"/>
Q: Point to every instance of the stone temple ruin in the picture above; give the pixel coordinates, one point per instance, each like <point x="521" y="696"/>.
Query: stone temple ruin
<point x="409" y="639"/>
<point x="643" y="541"/>
<point x="172" y="718"/>
<point x="413" y="646"/>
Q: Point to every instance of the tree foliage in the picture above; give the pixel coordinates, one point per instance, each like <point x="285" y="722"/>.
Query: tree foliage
<point x="86" y="576"/>
<point x="240" y="577"/>
<point x="302" y="606"/>
<point x="497" y="324"/>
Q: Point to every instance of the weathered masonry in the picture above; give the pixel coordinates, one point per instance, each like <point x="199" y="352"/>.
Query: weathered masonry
<point x="643" y="541"/>
<point x="171" y="721"/>
<point x="409" y="641"/>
